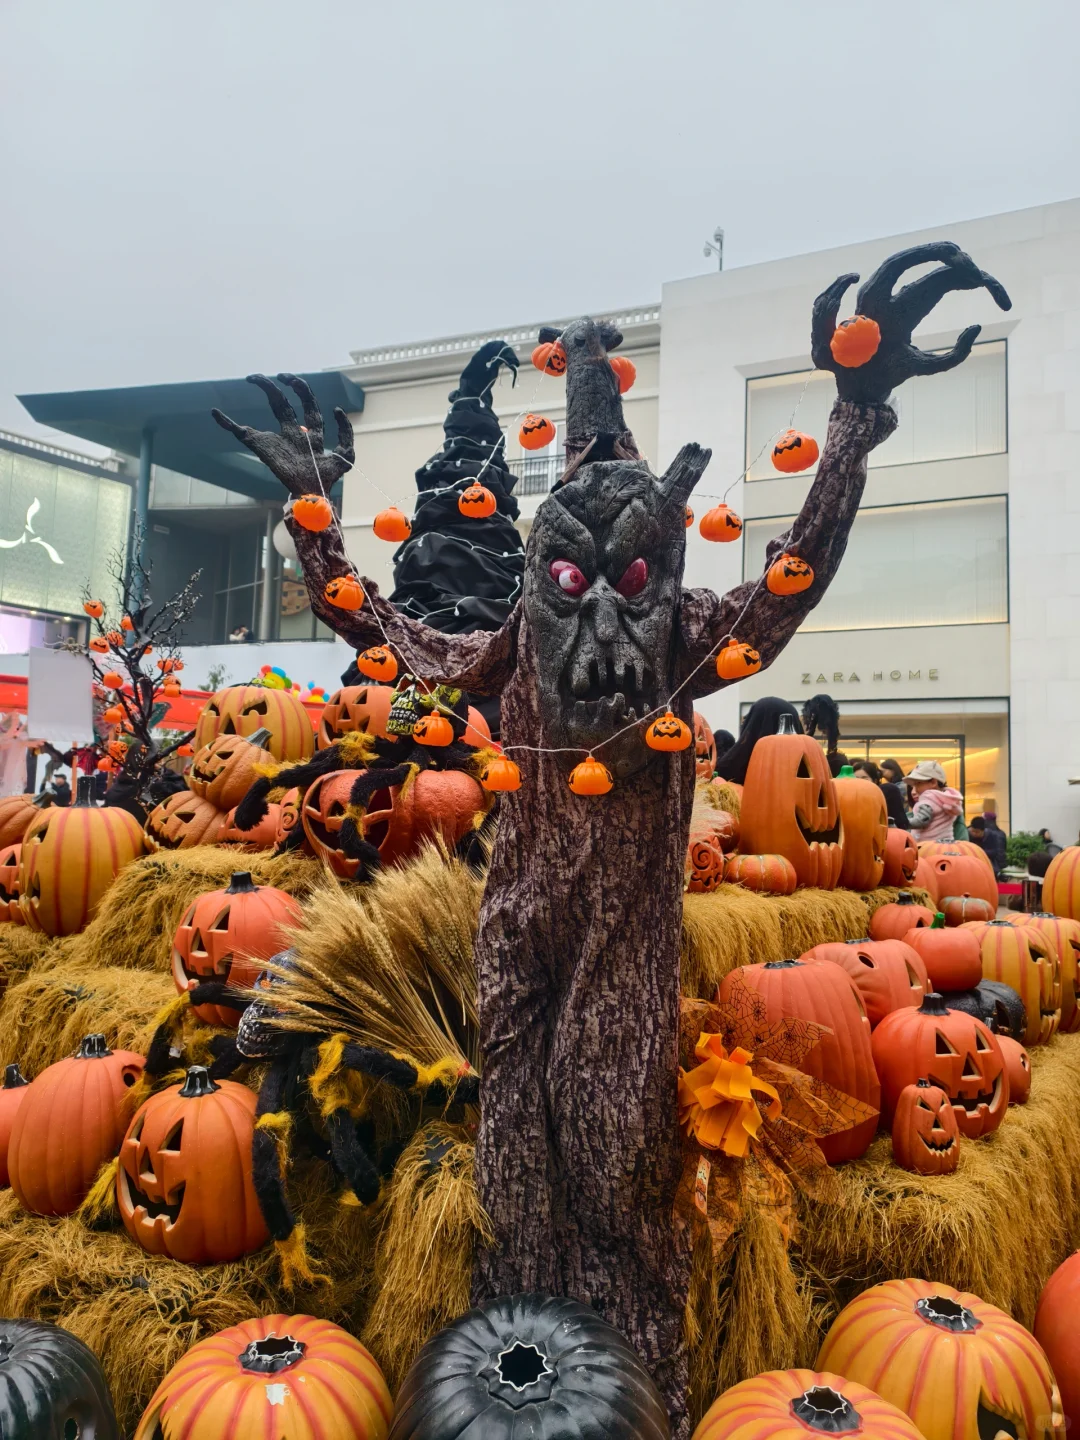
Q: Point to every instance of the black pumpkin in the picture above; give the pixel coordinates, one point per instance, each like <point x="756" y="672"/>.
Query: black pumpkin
<point x="51" y="1386"/>
<point x="529" y="1365"/>
<point x="998" y="1006"/>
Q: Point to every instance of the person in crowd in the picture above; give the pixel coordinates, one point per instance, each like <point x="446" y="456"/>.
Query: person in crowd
<point x="893" y="774"/>
<point x="241" y="635"/>
<point x="722" y="740"/>
<point x="985" y="832"/>
<point x="1048" y="842"/>
<point x="837" y="760"/>
<point x="61" y="789"/>
<point x="1038" y="863"/>
<point x="936" y="806"/>
<point x="763" y="718"/>
<point x="894" y="796"/>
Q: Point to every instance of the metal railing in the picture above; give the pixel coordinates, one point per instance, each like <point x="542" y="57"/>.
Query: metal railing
<point x="57" y="452"/>
<point x="535" y="475"/>
<point x="523" y="336"/>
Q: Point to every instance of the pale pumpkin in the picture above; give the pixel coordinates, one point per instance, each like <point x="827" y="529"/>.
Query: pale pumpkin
<point x="244" y="709"/>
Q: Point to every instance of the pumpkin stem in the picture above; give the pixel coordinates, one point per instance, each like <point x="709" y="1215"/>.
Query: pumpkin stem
<point x="241" y="883"/>
<point x="92" y="1047"/>
<point x="786" y="726"/>
<point x="905" y="898"/>
<point x="934" y="1004"/>
<point x="938" y="922"/>
<point x="260" y="737"/>
<point x="13" y="1077"/>
<point x="197" y="1082"/>
<point x="84" y="790"/>
<point x="826" y="1411"/>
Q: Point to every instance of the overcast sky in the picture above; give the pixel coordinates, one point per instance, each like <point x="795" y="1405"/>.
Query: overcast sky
<point x="203" y="189"/>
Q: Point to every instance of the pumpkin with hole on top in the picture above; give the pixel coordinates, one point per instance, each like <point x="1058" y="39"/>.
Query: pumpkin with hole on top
<point x="313" y="512"/>
<point x="225" y="935"/>
<point x="794" y="451"/>
<point x="925" y="1135"/>
<point x="959" y="1368"/>
<point x="704" y="748"/>
<point x="1061" y="884"/>
<point x="951" y="1049"/>
<point x="823" y="993"/>
<point x="1057" y="1332"/>
<point x="720" y="524"/>
<point x="182" y="821"/>
<point x="789" y="575"/>
<point x="280" y="1377"/>
<point x="888" y="974"/>
<point x="1018" y="1069"/>
<point x="952" y="957"/>
<point x="70" y="856"/>
<point x="184" y="1186"/>
<point x="769" y="874"/>
<point x="355" y="709"/>
<point x="16" y="812"/>
<point x="893" y="920"/>
<point x="12" y="1094"/>
<point x="930" y="848"/>
<point x="789" y="808"/>
<point x="10" y="864"/>
<point x="224" y="771"/>
<point x="392" y="524"/>
<point x="864" y="821"/>
<point x="243" y="709"/>
<point x="72" y="1120"/>
<point x="536" y="432"/>
<point x="959" y="909"/>
<point x="736" y="660"/>
<point x="957" y="873"/>
<point x="344" y="592"/>
<point x="798" y="1404"/>
<point x="1065" y="935"/>
<point x="901" y="858"/>
<point x="52" y="1386"/>
<point x="855" y="341"/>
<point x="1024" y="959"/>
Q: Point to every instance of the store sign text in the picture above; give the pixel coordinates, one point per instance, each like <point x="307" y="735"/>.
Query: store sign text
<point x="838" y="677"/>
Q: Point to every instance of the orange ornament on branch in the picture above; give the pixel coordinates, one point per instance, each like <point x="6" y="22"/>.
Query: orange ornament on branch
<point x="378" y="663"/>
<point x="127" y="623"/>
<point x="94" y="608"/>
<point x="855" y="341"/>
<point x="720" y="524"/>
<point x="313" y="512"/>
<point x="590" y="778"/>
<point x="689" y="517"/>
<point x="112" y="678"/>
<point x="433" y="729"/>
<point x="794" y="451"/>
<point x="625" y="371"/>
<point x="668" y="733"/>
<point x="737" y="660"/>
<point x="550" y="358"/>
<point x="392" y="524"/>
<point x="345" y="591"/>
<point x="99" y="645"/>
<point x="115" y="639"/>
<point x="536" y="432"/>
<point x="476" y="501"/>
<point x="789" y="576"/>
<point x="114" y="715"/>
<point x="501" y="773"/>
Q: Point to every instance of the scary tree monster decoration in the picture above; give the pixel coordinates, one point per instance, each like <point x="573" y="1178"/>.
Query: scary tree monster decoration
<point x="578" y="1153"/>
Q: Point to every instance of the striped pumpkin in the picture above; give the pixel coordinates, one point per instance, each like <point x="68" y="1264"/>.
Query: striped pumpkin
<point x="1026" y="959"/>
<point x="280" y="1377"/>
<point x="951" y="1362"/>
<point x="10" y="862"/>
<point x="1061" y="884"/>
<point x="795" y="1404"/>
<point x="16" y="812"/>
<point x="243" y="709"/>
<point x="1066" y="937"/>
<point x="70" y="856"/>
<point x="774" y="874"/>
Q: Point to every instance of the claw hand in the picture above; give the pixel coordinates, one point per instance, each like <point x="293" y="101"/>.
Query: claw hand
<point x="897" y="315"/>
<point x="295" y="453"/>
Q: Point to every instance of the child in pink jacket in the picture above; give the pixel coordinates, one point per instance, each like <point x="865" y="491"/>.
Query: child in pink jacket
<point x="937" y="805"/>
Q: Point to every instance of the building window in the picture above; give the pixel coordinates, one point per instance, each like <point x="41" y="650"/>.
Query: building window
<point x="943" y="563"/>
<point x="942" y="417"/>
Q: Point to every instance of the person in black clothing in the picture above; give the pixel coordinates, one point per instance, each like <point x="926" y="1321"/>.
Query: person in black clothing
<point x="61" y="790"/>
<point x="763" y="718"/>
<point x="1048" y="842"/>
<point x="892" y="773"/>
<point x="722" y="741"/>
<point x="894" y="796"/>
<point x="990" y="840"/>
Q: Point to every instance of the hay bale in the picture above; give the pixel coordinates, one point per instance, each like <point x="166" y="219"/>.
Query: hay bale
<point x="140" y="1312"/>
<point x="21" y="949"/>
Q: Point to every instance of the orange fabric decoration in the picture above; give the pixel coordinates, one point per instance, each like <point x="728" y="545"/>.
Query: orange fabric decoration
<point x="716" y="1099"/>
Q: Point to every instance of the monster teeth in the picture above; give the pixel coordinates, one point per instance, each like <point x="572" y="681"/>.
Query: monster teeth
<point x="580" y="712"/>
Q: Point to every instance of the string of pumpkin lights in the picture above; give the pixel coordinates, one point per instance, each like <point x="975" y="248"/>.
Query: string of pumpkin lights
<point x="854" y="343"/>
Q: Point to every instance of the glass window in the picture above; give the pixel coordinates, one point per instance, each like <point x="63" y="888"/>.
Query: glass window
<point x="942" y="417"/>
<point x="943" y="563"/>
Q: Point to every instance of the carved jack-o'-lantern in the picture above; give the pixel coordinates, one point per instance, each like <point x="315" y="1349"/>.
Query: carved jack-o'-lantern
<point x="950" y="1049"/>
<point x="263" y="836"/>
<point x="957" y="873"/>
<point x="789" y="808"/>
<point x="183" y="820"/>
<point x="16" y="812"/>
<point x="888" y="974"/>
<point x="355" y="709"/>
<point x="243" y="709"/>
<point x="224" y="771"/>
<point x="865" y="822"/>
<point x="925" y="1135"/>
<point x="901" y="858"/>
<point x="1018" y="1068"/>
<point x="10" y="909"/>
<point x="225" y="934"/>
<point x="1065" y="934"/>
<point x="704" y="748"/>
<point x="1025" y="959"/>
<point x="894" y="920"/>
<point x="184" y="1186"/>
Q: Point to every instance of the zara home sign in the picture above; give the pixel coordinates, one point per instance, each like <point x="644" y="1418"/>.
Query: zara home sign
<point x="838" y="676"/>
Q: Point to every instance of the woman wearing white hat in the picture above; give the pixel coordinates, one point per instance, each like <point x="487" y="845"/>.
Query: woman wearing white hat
<point x="937" y="805"/>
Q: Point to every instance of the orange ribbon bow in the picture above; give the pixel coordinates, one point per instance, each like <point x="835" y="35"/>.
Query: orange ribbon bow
<point x="716" y="1098"/>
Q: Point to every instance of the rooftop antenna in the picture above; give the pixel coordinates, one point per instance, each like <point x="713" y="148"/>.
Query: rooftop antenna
<point x="716" y="247"/>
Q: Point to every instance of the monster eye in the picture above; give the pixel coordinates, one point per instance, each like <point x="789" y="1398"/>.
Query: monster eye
<point x="568" y="577"/>
<point x="635" y="578"/>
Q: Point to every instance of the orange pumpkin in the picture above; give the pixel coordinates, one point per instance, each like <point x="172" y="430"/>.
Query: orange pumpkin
<point x="855" y="341"/>
<point x="313" y="512"/>
<point x="689" y="516"/>
<point x="115" y="638"/>
<point x="668" y="733"/>
<point x="789" y="807"/>
<point x="797" y="1404"/>
<point x="736" y="660"/>
<point x="720" y="524"/>
<point x="170" y="687"/>
<point x="625" y="371"/>
<point x="951" y="957"/>
<point x="864" y="824"/>
<point x="243" y="709"/>
<point x="550" y="357"/>
<point x="590" y="778"/>
<point x="959" y="1368"/>
<point x="281" y="1377"/>
<point x="94" y="608"/>
<point x="704" y="748"/>
<point x="712" y="834"/>
<point x="893" y="921"/>
<point x="345" y="592"/>
<point x="224" y="771"/>
<point x="378" y="663"/>
<point x="789" y="575"/>
<point x="71" y="1121"/>
<point x="98" y="644"/>
<point x="183" y="820"/>
<point x="263" y="836"/>
<point x="392" y="524"/>
<point x="1057" y="1332"/>
<point x="960" y="909"/>
<point x="773" y="874"/>
<point x="794" y="451"/>
<point x="477" y="501"/>
<point x="127" y="623"/>
<point x="536" y="432"/>
<point x="16" y="812"/>
<point x="960" y="874"/>
<point x="888" y="974"/>
<point x="225" y="935"/>
<point x="925" y="1135"/>
<point x="1065" y="935"/>
<point x="1061" y="884"/>
<point x="901" y="858"/>
<point x="114" y="715"/>
<point x="1018" y="1069"/>
<point x="70" y="856"/>
<point x="11" y="1097"/>
<point x="183" y="1185"/>
<point x="500" y="773"/>
<point x="926" y="878"/>
<point x="355" y="709"/>
<point x="1025" y="958"/>
<point x="433" y="729"/>
<point x="113" y="680"/>
<point x="10" y="862"/>
<point x="824" y="994"/>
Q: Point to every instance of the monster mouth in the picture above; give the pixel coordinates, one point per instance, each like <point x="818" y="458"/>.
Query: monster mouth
<point x="153" y="1209"/>
<point x="608" y="713"/>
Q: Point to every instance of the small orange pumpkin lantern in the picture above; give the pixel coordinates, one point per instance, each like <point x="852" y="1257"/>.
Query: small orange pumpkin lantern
<point x="737" y="660"/>
<point x="590" y="778"/>
<point x="667" y="732"/>
<point x="170" y="687"/>
<point x="433" y="729"/>
<point x="625" y="371"/>
<point x="392" y="524"/>
<point x="184" y="1186"/>
<point x="855" y="341"/>
<point x="536" y="432"/>
<point x="720" y="524"/>
<point x="94" y="608"/>
<point x="113" y="680"/>
<point x="114" y="715"/>
<point x="313" y="512"/>
<point x="550" y="357"/>
<point x="689" y="517"/>
<point x="501" y="773"/>
<point x="127" y="623"/>
<point x="789" y="575"/>
<point x="794" y="451"/>
<point x="378" y="663"/>
<point x="99" y="645"/>
<point x="115" y="639"/>
<point x="476" y="501"/>
<point x="925" y="1135"/>
<point x="345" y="592"/>
<point x="185" y="750"/>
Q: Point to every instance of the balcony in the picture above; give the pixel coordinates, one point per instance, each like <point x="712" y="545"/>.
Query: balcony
<point x="536" y="474"/>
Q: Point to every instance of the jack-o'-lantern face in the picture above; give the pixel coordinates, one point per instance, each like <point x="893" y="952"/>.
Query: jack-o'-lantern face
<point x="476" y="501"/>
<point x="244" y="709"/>
<point x="323" y="813"/>
<point x="737" y="660"/>
<point x="536" y="432"/>
<point x="704" y="748"/>
<point x="355" y="709"/>
<point x="789" y="807"/>
<point x="9" y="885"/>
<point x="789" y="575"/>
<point x="901" y="858"/>
<point x="1025" y="959"/>
<point x="223" y="771"/>
<point x="926" y="1136"/>
<point x="184" y="820"/>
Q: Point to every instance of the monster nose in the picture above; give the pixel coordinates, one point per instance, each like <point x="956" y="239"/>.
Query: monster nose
<point x="606" y="618"/>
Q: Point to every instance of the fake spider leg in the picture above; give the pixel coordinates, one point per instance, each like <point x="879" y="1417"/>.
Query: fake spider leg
<point x="366" y="784"/>
<point x="269" y="1168"/>
<point x="254" y="806"/>
<point x="350" y="1157"/>
<point x="227" y="1057"/>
